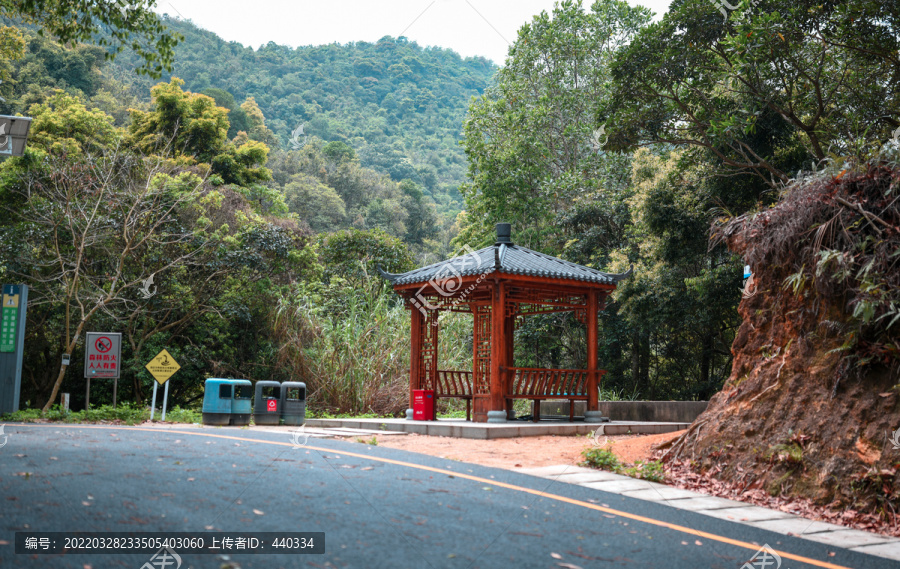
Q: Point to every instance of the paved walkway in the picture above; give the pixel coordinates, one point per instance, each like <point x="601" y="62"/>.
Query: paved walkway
<point x="460" y="428"/>
<point x="740" y="512"/>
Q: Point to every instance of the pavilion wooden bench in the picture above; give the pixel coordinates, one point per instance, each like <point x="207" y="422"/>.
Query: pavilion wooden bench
<point x="458" y="384"/>
<point x="536" y="384"/>
<point x="539" y="384"/>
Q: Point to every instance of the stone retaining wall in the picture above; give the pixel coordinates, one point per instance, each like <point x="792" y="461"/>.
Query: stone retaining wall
<point x="664" y="411"/>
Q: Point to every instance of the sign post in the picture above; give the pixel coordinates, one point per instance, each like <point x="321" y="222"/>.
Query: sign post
<point x="12" y="344"/>
<point x="165" y="401"/>
<point x="102" y="358"/>
<point x="162" y="367"/>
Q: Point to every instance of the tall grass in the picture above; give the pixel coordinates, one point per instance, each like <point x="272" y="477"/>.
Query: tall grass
<point x="350" y="344"/>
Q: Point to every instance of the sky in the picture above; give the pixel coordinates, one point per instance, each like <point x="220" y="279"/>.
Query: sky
<point x="469" y="27"/>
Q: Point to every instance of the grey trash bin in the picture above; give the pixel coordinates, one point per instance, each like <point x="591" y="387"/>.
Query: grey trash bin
<point x="267" y="403"/>
<point x="293" y="402"/>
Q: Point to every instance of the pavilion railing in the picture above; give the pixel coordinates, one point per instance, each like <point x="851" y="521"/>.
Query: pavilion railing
<point x="537" y="383"/>
<point x="452" y="383"/>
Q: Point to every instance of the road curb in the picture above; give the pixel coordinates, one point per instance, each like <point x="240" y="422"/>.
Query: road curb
<point x="721" y="508"/>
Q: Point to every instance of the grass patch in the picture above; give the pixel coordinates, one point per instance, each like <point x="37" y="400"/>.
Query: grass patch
<point x="181" y="415"/>
<point x="651" y="470"/>
<point x="790" y="453"/>
<point x="605" y="459"/>
<point x="126" y="412"/>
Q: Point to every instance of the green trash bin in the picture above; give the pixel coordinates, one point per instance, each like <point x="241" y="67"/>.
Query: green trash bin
<point x="240" y="405"/>
<point x="293" y="402"/>
<point x="218" y="394"/>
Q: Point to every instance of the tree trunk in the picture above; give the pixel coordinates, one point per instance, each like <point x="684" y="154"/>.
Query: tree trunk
<point x="63" y="367"/>
<point x="636" y="361"/>
<point x="705" y="360"/>
<point x="645" y="366"/>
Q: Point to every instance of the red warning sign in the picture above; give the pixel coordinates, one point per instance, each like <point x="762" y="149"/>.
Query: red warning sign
<point x="103" y="344"/>
<point x="103" y="354"/>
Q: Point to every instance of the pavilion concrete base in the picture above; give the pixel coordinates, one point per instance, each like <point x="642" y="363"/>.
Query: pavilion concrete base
<point x="460" y="428"/>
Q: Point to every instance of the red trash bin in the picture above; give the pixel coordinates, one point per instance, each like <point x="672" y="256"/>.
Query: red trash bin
<point x="423" y="405"/>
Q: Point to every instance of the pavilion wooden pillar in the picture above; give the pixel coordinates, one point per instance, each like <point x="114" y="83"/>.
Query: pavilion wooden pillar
<point x="417" y="321"/>
<point x="509" y="334"/>
<point x="430" y="330"/>
<point x="497" y="405"/>
<point x="593" y="307"/>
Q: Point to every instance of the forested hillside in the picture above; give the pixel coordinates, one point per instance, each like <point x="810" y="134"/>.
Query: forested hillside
<point x="259" y="238"/>
<point x="359" y="136"/>
<point x="398" y="105"/>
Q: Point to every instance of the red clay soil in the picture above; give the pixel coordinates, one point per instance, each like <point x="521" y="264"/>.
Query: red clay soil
<point x="525" y="452"/>
<point x="795" y="419"/>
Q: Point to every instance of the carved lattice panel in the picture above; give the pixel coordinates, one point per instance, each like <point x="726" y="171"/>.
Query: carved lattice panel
<point x="481" y="381"/>
<point x="536" y="301"/>
<point x="429" y="349"/>
<point x="581" y="315"/>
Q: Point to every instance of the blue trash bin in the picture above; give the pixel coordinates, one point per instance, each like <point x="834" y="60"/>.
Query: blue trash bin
<point x="241" y="405"/>
<point x="217" y="401"/>
<point x="266" y="403"/>
<point x="293" y="402"/>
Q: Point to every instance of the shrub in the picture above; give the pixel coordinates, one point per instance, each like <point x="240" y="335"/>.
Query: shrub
<point x="601" y="458"/>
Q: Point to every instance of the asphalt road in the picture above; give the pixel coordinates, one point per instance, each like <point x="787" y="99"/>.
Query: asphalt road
<point x="377" y="507"/>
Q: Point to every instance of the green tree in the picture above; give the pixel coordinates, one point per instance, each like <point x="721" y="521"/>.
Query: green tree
<point x="416" y="137"/>
<point x="767" y="90"/>
<point x="242" y="164"/>
<point x="315" y="203"/>
<point x="191" y="125"/>
<point x="676" y="316"/>
<point x="237" y="117"/>
<point x="257" y="122"/>
<point x="338" y="152"/>
<point x="183" y="123"/>
<point x="108" y="23"/>
<point x="43" y="66"/>
<point x="63" y="125"/>
<point x="84" y="230"/>
<point x="422" y="222"/>
<point x="355" y="255"/>
<point x="12" y="46"/>
<point x="530" y="139"/>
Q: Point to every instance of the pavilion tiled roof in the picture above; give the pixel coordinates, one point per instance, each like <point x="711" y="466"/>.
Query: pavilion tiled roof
<point x="508" y="258"/>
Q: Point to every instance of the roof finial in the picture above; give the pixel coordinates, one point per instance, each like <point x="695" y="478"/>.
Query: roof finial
<point x="503" y="233"/>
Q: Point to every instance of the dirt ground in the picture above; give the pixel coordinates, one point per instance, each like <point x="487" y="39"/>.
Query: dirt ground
<point x="525" y="452"/>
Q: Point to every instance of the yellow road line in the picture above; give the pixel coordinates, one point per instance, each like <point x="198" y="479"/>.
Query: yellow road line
<point x="540" y="493"/>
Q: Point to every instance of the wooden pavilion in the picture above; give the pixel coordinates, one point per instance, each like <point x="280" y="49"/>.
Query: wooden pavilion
<point x="497" y="285"/>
